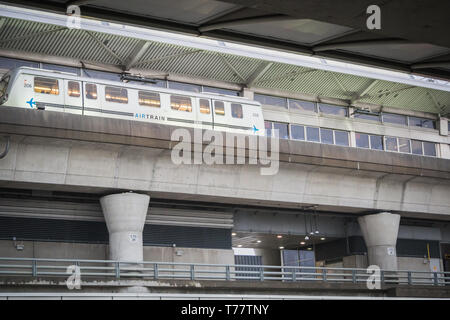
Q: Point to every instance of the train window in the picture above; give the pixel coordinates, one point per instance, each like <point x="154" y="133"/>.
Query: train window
<point x="116" y="94"/>
<point x="429" y="149"/>
<point x="236" y="110"/>
<point x="403" y="145"/>
<point x="46" y="85"/>
<point x="204" y="106"/>
<point x="416" y="147"/>
<point x="73" y="89"/>
<point x="391" y="143"/>
<point x="91" y="91"/>
<point x="181" y="103"/>
<point x="149" y="99"/>
<point x="219" y="108"/>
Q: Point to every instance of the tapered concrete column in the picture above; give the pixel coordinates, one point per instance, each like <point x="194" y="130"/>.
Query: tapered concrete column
<point x="380" y="234"/>
<point x="125" y="218"/>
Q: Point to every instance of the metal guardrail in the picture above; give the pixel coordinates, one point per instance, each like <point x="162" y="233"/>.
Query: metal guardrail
<point x="117" y="270"/>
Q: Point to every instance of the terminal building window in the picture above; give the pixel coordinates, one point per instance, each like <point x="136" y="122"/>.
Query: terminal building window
<point x="333" y="110"/>
<point x="282" y="129"/>
<point x="312" y="134"/>
<point x="181" y="103"/>
<point x="116" y="94"/>
<point x="149" y="99"/>
<point x="341" y="138"/>
<point x="58" y="67"/>
<point x="236" y="111"/>
<point x="301" y="105"/>
<point x="394" y="118"/>
<point x="219" y="108"/>
<point x="404" y="145"/>
<point x="366" y="116"/>
<point x="227" y="92"/>
<point x="73" y="89"/>
<point x="367" y="141"/>
<point x="185" y="86"/>
<point x="91" y="91"/>
<point x="326" y="136"/>
<point x="391" y="143"/>
<point x="270" y="100"/>
<point x="205" y="106"/>
<point x="422" y="122"/>
<point x="46" y="85"/>
<point x="429" y="149"/>
<point x="297" y="132"/>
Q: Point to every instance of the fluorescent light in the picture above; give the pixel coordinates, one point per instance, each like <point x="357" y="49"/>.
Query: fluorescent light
<point x="233" y="234"/>
<point x="303" y="242"/>
<point x="279" y="236"/>
<point x="281" y="248"/>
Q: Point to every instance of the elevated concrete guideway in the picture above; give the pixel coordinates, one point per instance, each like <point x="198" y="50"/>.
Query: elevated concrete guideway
<point x="57" y="151"/>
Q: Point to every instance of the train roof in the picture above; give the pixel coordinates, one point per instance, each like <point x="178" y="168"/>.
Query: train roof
<point x="73" y="76"/>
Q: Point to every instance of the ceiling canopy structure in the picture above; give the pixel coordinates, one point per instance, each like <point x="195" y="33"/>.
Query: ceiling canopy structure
<point x="126" y="48"/>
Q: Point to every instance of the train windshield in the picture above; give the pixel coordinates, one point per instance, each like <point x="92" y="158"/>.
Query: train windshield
<point x="3" y="86"/>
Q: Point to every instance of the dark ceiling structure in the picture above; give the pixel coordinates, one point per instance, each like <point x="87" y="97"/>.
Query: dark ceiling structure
<point x="413" y="35"/>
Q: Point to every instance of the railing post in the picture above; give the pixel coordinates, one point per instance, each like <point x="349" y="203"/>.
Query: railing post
<point x="227" y="273"/>
<point x="435" y="276"/>
<point x="34" y="268"/>
<point x="155" y="271"/>
<point x="261" y="273"/>
<point x="192" y="272"/>
<point x="294" y="274"/>
<point x="324" y="275"/>
<point x="117" y="269"/>
<point x="409" y="278"/>
<point x="354" y="276"/>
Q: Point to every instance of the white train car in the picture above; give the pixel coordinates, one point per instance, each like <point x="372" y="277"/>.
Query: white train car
<point x="65" y="92"/>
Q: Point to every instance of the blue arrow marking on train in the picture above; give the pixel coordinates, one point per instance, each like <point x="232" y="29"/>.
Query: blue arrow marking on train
<point x="255" y="129"/>
<point x="31" y="102"/>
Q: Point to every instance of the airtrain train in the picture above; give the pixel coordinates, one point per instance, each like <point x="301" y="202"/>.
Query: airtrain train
<point x="65" y="92"/>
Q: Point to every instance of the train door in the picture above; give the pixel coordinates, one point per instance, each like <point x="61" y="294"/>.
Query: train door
<point x="48" y="93"/>
<point x="204" y="116"/>
<point x="73" y="97"/>
<point x="222" y="116"/>
<point x="91" y="101"/>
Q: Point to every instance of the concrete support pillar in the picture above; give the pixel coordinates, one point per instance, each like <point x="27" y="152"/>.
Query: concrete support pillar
<point x="380" y="234"/>
<point x="125" y="218"/>
<point x="247" y="93"/>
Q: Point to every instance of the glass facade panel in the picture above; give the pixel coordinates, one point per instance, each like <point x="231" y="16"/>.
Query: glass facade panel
<point x="326" y="136"/>
<point x="391" y="143"/>
<point x="366" y="116"/>
<point x="184" y="86"/>
<point x="376" y="142"/>
<point x="332" y="109"/>
<point x="102" y="75"/>
<point x="297" y="132"/>
<point x="57" y="67"/>
<point x="270" y="100"/>
<point x="312" y="134"/>
<point x="416" y="147"/>
<point x="10" y="63"/>
<point x="422" y="122"/>
<point x="221" y="91"/>
<point x="394" y="118"/>
<point x="302" y="105"/>
<point x="362" y="140"/>
<point x="429" y="149"/>
<point x="282" y="128"/>
<point x="403" y="145"/>
<point x="341" y="138"/>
